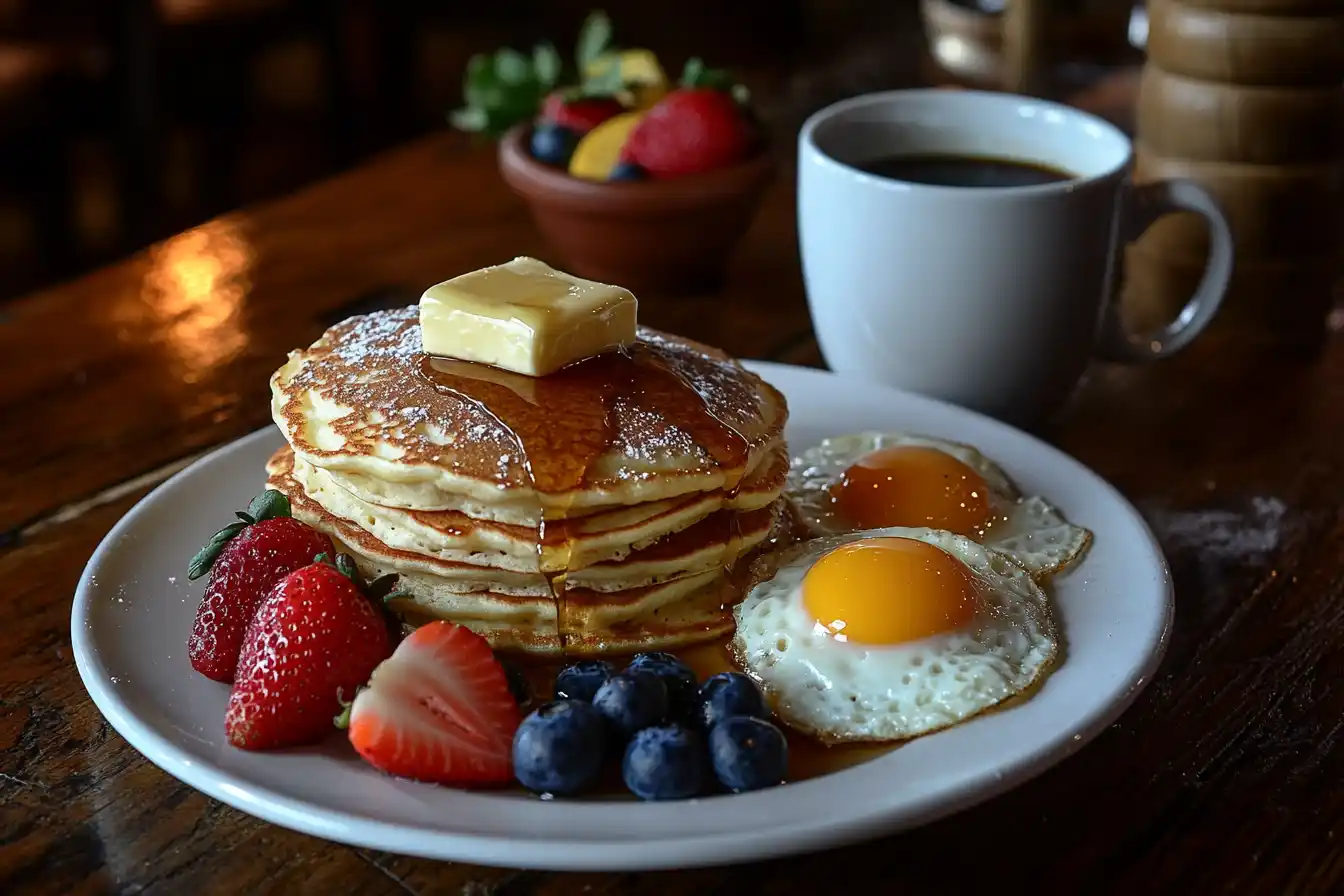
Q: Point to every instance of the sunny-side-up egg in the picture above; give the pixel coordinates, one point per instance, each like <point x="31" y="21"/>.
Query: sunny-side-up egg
<point x="890" y="634"/>
<point x="876" y="480"/>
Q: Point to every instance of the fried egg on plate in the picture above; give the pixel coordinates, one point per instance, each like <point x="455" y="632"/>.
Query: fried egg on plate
<point x="893" y="633"/>
<point x="873" y="480"/>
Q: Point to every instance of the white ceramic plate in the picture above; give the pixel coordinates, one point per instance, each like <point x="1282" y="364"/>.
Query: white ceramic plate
<point x="134" y="610"/>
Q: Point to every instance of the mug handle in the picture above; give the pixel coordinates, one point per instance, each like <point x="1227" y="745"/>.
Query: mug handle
<point x="1143" y="204"/>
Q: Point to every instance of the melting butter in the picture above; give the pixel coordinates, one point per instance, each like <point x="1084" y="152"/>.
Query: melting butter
<point x="526" y="317"/>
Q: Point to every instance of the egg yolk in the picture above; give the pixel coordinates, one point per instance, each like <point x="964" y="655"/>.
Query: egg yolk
<point x="912" y="486"/>
<point x="889" y="590"/>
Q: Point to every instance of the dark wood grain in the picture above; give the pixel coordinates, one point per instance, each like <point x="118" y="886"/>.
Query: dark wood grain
<point x="1225" y="777"/>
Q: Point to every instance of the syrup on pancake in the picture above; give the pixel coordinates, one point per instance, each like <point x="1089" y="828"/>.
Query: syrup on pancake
<point x="600" y="399"/>
<point x="601" y="428"/>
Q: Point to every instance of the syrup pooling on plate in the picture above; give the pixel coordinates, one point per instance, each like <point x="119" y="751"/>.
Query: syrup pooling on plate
<point x="630" y="401"/>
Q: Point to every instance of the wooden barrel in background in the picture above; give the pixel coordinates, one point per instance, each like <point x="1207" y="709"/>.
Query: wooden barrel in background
<point x="1246" y="97"/>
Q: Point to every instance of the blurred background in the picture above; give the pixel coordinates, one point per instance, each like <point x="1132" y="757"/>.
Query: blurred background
<point x="123" y="121"/>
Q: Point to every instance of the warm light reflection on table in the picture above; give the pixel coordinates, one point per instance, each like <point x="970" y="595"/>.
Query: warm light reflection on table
<point x="192" y="296"/>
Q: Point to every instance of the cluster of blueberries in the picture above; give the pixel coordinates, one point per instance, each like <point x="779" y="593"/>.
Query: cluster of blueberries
<point x="676" y="737"/>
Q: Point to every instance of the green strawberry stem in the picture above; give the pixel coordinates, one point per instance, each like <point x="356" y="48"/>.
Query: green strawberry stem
<point x="270" y="504"/>
<point x="345" y="565"/>
<point x="379" y="591"/>
<point x="381" y="587"/>
<point x="342" y="719"/>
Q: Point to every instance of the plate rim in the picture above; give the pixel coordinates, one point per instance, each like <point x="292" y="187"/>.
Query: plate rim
<point x="801" y="835"/>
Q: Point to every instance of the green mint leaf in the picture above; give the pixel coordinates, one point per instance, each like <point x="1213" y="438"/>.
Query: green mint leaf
<point x="470" y="119"/>
<point x="690" y="75"/>
<point x="594" y="39"/>
<point x="485" y="93"/>
<point x="512" y="67"/>
<point x="396" y="595"/>
<point x="206" y="556"/>
<point x="268" y="505"/>
<point x="546" y="65"/>
<point x="245" y="517"/>
<point x="479" y="66"/>
<point x="604" y="84"/>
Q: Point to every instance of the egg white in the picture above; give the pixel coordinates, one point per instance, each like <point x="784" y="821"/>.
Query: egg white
<point x="839" y="691"/>
<point x="1028" y="529"/>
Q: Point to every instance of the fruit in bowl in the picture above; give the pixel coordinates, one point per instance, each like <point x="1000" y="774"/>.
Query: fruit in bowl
<point x="633" y="178"/>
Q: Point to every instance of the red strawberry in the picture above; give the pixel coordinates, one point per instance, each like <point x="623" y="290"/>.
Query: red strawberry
<point x="315" y="636"/>
<point x="689" y="131"/>
<point x="438" y="710"/>
<point x="245" y="559"/>
<point x="578" y="114"/>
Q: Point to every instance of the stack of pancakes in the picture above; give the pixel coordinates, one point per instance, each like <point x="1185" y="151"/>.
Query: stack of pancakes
<point x="611" y="506"/>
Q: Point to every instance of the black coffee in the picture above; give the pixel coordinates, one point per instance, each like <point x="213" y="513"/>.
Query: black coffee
<point x="964" y="171"/>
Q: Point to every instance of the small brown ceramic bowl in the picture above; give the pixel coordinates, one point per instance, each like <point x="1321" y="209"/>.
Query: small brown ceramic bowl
<point x="669" y="236"/>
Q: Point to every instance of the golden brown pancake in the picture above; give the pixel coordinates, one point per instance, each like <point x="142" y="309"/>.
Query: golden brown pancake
<point x="590" y="539"/>
<point x="668" y="418"/>
<point x="618" y="504"/>
<point x="711" y="542"/>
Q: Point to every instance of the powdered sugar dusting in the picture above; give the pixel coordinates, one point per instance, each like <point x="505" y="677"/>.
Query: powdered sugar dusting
<point x="367" y="388"/>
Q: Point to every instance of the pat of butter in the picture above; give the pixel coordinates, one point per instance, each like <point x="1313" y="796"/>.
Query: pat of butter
<point x="526" y="317"/>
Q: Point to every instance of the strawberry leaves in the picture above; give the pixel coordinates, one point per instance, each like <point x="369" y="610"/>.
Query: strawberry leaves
<point x="379" y="592"/>
<point x="206" y="556"/>
<point x="270" y="504"/>
<point x="376" y="590"/>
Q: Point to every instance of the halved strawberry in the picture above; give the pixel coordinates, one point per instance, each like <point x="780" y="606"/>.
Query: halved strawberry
<point x="438" y="710"/>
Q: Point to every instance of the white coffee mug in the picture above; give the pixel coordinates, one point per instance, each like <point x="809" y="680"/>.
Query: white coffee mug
<point x="994" y="298"/>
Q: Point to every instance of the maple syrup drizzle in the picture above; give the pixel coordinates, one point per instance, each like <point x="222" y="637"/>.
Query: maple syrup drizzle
<point x="640" y="398"/>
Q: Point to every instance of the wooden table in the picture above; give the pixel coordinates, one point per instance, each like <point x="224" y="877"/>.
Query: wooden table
<point x="1224" y="777"/>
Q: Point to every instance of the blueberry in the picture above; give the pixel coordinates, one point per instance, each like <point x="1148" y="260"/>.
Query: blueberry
<point x="627" y="171"/>
<point x="729" y="694"/>
<point x="678" y="678"/>
<point x="748" y="753"/>
<point x="558" y="748"/>
<point x="632" y="701"/>
<point x="665" y="763"/>
<point x="553" y="144"/>
<point x="519" y="686"/>
<point x="581" y="680"/>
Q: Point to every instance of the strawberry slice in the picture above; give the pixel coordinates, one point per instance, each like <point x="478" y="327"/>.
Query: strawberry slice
<point x="315" y="637"/>
<point x="438" y="710"/>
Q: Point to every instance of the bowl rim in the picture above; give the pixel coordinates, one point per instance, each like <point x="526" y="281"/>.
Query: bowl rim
<point x="547" y="185"/>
